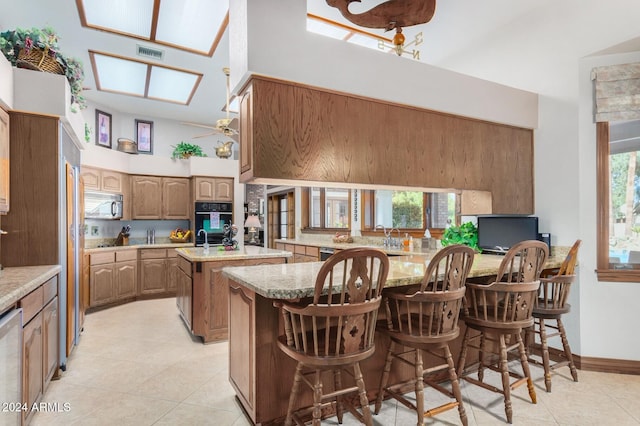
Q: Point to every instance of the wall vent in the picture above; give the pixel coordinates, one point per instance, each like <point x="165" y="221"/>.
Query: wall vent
<point x="150" y="52"/>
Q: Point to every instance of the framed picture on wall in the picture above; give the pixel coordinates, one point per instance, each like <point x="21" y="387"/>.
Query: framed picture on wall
<point x="144" y="136"/>
<point x="103" y="129"/>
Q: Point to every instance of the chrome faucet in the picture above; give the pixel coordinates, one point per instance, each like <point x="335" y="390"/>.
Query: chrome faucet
<point x="205" y="246"/>
<point x="387" y="234"/>
<point x="394" y="242"/>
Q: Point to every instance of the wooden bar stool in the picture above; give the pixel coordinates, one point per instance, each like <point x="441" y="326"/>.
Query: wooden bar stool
<point x="551" y="304"/>
<point x="500" y="311"/>
<point x="335" y="331"/>
<point x="427" y="320"/>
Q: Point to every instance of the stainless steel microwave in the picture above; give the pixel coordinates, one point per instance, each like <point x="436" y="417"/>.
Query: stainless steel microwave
<point x="102" y="205"/>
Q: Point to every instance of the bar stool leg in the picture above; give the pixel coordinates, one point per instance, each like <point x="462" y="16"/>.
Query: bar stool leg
<point x="364" y="401"/>
<point x="317" y="399"/>
<point x="385" y="376"/>
<point x="506" y="386"/>
<point x="337" y="380"/>
<point x="294" y="394"/>
<point x="545" y="355"/>
<point x="481" y="357"/>
<point x="419" y="386"/>
<point x="463" y="353"/>
<point x="525" y="368"/>
<point x="455" y="385"/>
<point x="567" y="350"/>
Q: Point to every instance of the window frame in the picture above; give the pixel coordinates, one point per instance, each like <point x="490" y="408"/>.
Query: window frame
<point x="306" y="212"/>
<point x="605" y="271"/>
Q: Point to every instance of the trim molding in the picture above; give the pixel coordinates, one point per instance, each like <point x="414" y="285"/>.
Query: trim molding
<point x="607" y="365"/>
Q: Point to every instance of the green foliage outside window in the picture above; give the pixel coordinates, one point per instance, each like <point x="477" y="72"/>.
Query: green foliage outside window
<point x="408" y="209"/>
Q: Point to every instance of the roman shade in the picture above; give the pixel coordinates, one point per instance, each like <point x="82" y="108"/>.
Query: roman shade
<point x="617" y="92"/>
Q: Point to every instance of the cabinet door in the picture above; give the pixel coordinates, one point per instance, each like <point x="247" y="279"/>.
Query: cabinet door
<point x="175" y="198"/>
<point x="172" y="274"/>
<point x="224" y="189"/>
<point x="153" y="276"/>
<point x="242" y="345"/>
<point x="32" y="368"/>
<point x="91" y="178"/>
<point x="205" y="188"/>
<point x="50" y="339"/>
<point x="146" y="197"/>
<point x="126" y="274"/>
<point x="4" y="161"/>
<point x="184" y="297"/>
<point x="111" y="181"/>
<point x="101" y="285"/>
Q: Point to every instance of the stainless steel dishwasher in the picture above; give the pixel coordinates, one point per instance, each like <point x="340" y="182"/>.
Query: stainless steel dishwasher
<point x="325" y="253"/>
<point x="11" y="367"/>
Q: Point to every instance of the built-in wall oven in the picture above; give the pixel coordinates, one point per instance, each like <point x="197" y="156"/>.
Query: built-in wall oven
<point x="211" y="217"/>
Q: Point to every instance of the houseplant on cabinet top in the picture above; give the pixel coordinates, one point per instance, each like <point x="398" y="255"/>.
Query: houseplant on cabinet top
<point x="37" y="49"/>
<point x="186" y="150"/>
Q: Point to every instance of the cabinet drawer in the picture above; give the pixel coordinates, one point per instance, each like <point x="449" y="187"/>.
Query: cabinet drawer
<point x="153" y="253"/>
<point x="124" y="255"/>
<point x="102" y="258"/>
<point x="172" y="253"/>
<point x="50" y="289"/>
<point x="312" y="251"/>
<point x="31" y="304"/>
<point x="298" y="249"/>
<point x="184" y="265"/>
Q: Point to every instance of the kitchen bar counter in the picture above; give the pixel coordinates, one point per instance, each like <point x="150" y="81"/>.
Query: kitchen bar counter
<point x="261" y="373"/>
<point x="17" y="282"/>
<point x="295" y="280"/>
<point x="138" y="246"/>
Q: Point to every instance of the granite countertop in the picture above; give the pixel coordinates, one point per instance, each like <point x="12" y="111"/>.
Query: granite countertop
<point x="17" y="282"/>
<point x="296" y="280"/>
<point x="138" y="246"/>
<point x="341" y="246"/>
<point x="196" y="254"/>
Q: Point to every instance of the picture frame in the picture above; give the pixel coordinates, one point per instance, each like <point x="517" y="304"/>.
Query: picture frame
<point x="144" y="136"/>
<point x="103" y="129"/>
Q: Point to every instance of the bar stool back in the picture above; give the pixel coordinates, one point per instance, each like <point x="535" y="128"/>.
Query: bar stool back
<point x="427" y="320"/>
<point x="551" y="304"/>
<point x="335" y="331"/>
<point x="500" y="311"/>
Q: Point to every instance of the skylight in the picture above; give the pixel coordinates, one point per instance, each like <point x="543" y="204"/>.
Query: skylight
<point x="143" y="79"/>
<point x="192" y="25"/>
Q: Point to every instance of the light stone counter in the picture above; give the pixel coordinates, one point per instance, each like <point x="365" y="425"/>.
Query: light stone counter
<point x="197" y="254"/>
<point x="296" y="280"/>
<point x="138" y="246"/>
<point x="17" y="282"/>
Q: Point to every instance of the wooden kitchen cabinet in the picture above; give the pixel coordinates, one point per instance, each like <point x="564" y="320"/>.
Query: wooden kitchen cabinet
<point x="184" y="291"/>
<point x="157" y="271"/>
<point x="176" y="198"/>
<point x="113" y="276"/>
<point x="102" y="285"/>
<point x="146" y="197"/>
<point x="213" y="189"/>
<point x="40" y="343"/>
<point x="4" y="161"/>
<point x="103" y="180"/>
<point x="125" y="279"/>
<point x="246" y="134"/>
<point x="301" y="252"/>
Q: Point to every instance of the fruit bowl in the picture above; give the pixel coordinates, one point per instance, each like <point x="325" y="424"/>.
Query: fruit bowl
<point x="180" y="236"/>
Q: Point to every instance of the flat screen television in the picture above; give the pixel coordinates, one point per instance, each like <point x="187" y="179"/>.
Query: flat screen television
<point x="496" y="234"/>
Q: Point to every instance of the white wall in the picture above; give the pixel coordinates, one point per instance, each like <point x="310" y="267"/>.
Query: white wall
<point x="6" y="83"/>
<point x="279" y="46"/>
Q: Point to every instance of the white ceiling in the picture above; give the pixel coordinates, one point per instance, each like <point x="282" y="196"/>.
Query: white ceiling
<point x="506" y="41"/>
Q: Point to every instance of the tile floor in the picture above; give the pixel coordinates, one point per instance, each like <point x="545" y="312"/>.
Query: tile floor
<point x="136" y="364"/>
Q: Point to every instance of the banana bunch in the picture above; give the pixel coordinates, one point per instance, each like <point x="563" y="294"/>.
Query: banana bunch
<point x="180" y="234"/>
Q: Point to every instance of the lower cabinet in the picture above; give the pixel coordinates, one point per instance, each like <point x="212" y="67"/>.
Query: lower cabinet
<point x="184" y="290"/>
<point x="40" y="343"/>
<point x="158" y="271"/>
<point x="301" y="253"/>
<point x="113" y="276"/>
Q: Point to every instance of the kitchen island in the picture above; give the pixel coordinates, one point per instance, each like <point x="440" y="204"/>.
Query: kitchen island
<point x="202" y="294"/>
<point x="260" y="373"/>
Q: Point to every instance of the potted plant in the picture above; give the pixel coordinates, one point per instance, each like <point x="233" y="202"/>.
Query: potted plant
<point x="466" y="234"/>
<point x="38" y="49"/>
<point x="186" y="150"/>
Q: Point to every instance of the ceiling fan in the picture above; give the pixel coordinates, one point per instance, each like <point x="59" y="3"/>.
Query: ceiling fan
<point x="226" y="126"/>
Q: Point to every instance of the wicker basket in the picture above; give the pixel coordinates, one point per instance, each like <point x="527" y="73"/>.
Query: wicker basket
<point x="39" y="60"/>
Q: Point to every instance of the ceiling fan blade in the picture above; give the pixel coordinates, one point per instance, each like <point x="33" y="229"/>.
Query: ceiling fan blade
<point x="233" y="124"/>
<point x="186" y="123"/>
<point x="235" y="137"/>
<point x="204" y="135"/>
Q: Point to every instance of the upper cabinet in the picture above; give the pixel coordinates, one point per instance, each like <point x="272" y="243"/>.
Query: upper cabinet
<point x="246" y="134"/>
<point x="213" y="189"/>
<point x="154" y="197"/>
<point x="102" y="180"/>
<point x="4" y="161"/>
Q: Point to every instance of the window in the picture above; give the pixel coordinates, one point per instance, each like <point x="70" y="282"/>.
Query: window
<point x="618" y="201"/>
<point x="412" y="210"/>
<point x="328" y="208"/>
<point x="281" y="211"/>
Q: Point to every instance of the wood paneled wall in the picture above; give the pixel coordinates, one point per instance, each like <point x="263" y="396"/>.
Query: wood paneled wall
<point x="311" y="134"/>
